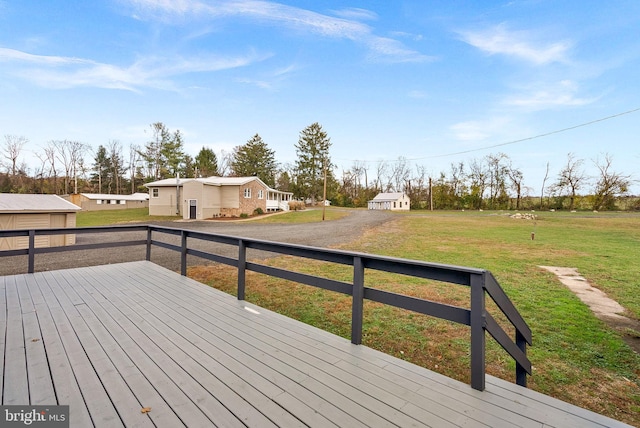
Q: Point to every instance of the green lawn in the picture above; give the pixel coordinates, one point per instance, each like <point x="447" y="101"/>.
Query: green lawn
<point x="304" y="216"/>
<point x="107" y="217"/>
<point x="576" y="357"/>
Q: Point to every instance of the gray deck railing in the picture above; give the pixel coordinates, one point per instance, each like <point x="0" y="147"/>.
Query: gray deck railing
<point x="481" y="283"/>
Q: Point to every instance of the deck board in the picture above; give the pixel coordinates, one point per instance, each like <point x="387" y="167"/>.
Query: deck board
<point x="110" y="340"/>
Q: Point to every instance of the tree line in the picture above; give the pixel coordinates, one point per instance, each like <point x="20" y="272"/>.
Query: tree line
<point x="490" y="182"/>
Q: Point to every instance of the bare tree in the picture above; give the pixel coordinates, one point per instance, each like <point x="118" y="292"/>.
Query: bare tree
<point x="358" y="170"/>
<point x="50" y="156"/>
<point x="117" y="164"/>
<point x="381" y="171"/>
<point x="497" y="173"/>
<point x="225" y="160"/>
<point x="399" y="175"/>
<point x="458" y="177"/>
<point x="515" y="177"/>
<point x="571" y="178"/>
<point x="71" y="154"/>
<point x="478" y="176"/>
<point x="544" y="180"/>
<point x="134" y="160"/>
<point x="609" y="184"/>
<point x="11" y="150"/>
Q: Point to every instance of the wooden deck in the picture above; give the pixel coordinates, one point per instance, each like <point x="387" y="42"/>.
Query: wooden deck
<point x="111" y="340"/>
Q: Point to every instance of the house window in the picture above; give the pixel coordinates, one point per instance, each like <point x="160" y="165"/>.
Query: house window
<point x="400" y="204"/>
<point x="394" y="205"/>
<point x="247" y="192"/>
<point x="155" y="192"/>
<point x="260" y="194"/>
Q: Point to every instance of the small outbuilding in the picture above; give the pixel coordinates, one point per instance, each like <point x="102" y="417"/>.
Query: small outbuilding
<point x="390" y="201"/>
<point x="18" y="211"/>
<point x="101" y="201"/>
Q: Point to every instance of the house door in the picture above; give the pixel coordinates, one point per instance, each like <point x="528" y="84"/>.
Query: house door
<point x="192" y="208"/>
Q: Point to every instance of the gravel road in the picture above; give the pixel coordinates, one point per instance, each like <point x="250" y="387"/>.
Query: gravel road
<point x="322" y="234"/>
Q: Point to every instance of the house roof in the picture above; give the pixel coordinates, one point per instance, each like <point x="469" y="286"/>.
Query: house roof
<point x="230" y="181"/>
<point x="134" y="197"/>
<point x="18" y="203"/>
<point x="388" y="197"/>
<point x="170" y="182"/>
<point x="211" y="181"/>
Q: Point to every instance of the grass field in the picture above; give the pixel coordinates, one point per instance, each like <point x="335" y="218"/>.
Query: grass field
<point x="141" y="215"/>
<point x="107" y="217"/>
<point x="576" y="357"/>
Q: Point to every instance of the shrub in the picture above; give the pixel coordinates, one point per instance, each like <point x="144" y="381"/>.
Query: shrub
<point x="244" y="215"/>
<point x="258" y="211"/>
<point x="296" y="205"/>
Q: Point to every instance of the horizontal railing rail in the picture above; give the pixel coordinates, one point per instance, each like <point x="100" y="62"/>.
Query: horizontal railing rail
<point x="481" y="282"/>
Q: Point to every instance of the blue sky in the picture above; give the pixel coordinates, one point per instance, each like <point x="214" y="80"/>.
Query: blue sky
<point x="435" y="82"/>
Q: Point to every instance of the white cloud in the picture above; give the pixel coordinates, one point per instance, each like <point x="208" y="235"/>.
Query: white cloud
<point x="15" y="55"/>
<point x="479" y="130"/>
<point x="356" y="13"/>
<point x="65" y="72"/>
<point x="519" y="44"/>
<point x="390" y="50"/>
<point x="283" y="16"/>
<point x="469" y="131"/>
<point x="563" y="93"/>
<point x="417" y="94"/>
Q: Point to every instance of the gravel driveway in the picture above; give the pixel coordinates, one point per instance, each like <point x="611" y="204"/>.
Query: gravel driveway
<point x="322" y="234"/>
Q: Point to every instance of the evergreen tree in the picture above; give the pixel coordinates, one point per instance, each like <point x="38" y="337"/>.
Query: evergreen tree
<point x="163" y="156"/>
<point x="206" y="163"/>
<point x="312" y="150"/>
<point x="101" y="168"/>
<point x="255" y="158"/>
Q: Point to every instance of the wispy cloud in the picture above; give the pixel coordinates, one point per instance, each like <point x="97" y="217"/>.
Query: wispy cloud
<point x="356" y="13"/>
<point x="66" y="72"/>
<point x="273" y="80"/>
<point x="563" y="93"/>
<point x="518" y="44"/>
<point x="344" y="26"/>
<point x="417" y="94"/>
<point x="479" y="130"/>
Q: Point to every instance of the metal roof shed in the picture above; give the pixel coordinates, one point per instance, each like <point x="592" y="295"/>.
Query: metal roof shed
<point x="18" y="211"/>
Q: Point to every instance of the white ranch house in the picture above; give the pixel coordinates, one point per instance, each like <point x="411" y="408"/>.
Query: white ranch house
<point x="203" y="198"/>
<point x="100" y="201"/>
<point x="390" y="201"/>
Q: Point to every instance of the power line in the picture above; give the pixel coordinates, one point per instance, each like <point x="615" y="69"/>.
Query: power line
<point x="546" y="134"/>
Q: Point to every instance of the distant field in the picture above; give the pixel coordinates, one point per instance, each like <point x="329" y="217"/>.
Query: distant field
<point x="575" y="356"/>
<point x="106" y="217"/>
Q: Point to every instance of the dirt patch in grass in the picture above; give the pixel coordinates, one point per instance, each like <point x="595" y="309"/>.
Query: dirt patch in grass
<point x="605" y="308"/>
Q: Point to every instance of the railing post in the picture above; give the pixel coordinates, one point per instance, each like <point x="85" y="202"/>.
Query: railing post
<point x="357" y="304"/>
<point x="477" y="332"/>
<point x="242" y="261"/>
<point x="148" y="243"/>
<point x="32" y="250"/>
<point x="521" y="373"/>
<point x="183" y="253"/>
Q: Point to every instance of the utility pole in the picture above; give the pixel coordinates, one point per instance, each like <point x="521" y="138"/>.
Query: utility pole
<point x="324" y="191"/>
<point x="430" y="195"/>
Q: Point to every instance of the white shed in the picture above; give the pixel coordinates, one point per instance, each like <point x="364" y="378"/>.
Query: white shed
<point x="390" y="201"/>
<point x="18" y="211"/>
